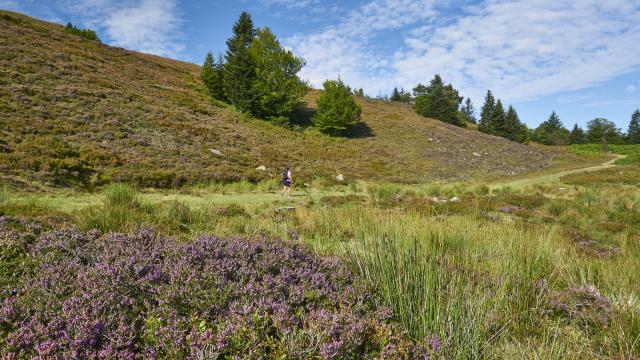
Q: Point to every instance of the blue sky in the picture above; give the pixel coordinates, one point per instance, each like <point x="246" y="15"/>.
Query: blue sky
<point x="580" y="58"/>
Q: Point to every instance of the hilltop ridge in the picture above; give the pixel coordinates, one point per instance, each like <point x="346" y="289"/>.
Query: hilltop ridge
<point x="78" y="111"/>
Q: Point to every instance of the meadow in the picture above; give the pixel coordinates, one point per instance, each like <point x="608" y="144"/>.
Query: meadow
<point x="462" y="270"/>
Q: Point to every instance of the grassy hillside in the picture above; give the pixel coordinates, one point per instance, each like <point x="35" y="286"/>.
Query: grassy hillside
<point x="75" y="111"/>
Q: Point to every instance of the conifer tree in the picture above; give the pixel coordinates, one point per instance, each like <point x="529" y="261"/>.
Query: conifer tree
<point x="395" y="95"/>
<point x="633" y="133"/>
<point x="551" y="131"/>
<point x="513" y="127"/>
<point x="211" y="76"/>
<point x="468" y="111"/>
<point x="438" y="101"/>
<point x="498" y="123"/>
<point x="336" y="109"/>
<point x="577" y="135"/>
<point x="239" y="68"/>
<point x="487" y="112"/>
<point x="276" y="89"/>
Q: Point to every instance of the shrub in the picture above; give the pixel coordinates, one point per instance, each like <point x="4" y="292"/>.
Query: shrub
<point x="143" y="295"/>
<point x="337" y="110"/>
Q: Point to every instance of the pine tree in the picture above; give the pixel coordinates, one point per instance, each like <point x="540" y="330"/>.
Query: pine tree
<point x="487" y="112"/>
<point x="498" y="122"/>
<point x="513" y="126"/>
<point x="395" y="95"/>
<point x="336" y="109"/>
<point x="551" y="131"/>
<point x="438" y="101"/>
<point x="239" y="68"/>
<point x="211" y="76"/>
<point x="633" y="133"/>
<point x="577" y="135"/>
<point x="276" y="89"/>
<point x="468" y="112"/>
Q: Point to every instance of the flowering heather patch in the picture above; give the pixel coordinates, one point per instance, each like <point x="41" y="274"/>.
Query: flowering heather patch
<point x="147" y="296"/>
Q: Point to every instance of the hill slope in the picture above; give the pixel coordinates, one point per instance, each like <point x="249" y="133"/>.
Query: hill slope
<point x="74" y="110"/>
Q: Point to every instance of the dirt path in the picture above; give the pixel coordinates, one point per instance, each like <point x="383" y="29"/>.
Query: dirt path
<point x="556" y="176"/>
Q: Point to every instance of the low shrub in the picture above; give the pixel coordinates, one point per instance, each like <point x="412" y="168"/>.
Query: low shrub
<point x="143" y="295"/>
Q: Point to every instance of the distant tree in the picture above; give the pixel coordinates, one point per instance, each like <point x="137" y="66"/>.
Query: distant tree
<point x="85" y="33"/>
<point x="515" y="130"/>
<point x="239" y="68"/>
<point x="438" y="101"/>
<point x="405" y="96"/>
<point x="467" y="112"/>
<point x="211" y="75"/>
<point x="577" y="135"/>
<point x="601" y="130"/>
<point x="551" y="132"/>
<point x="336" y="109"/>
<point x="358" y="92"/>
<point x="419" y="90"/>
<point x="486" y="112"/>
<point x="633" y="133"/>
<point x="498" y="122"/>
<point x="395" y="95"/>
<point x="276" y="89"/>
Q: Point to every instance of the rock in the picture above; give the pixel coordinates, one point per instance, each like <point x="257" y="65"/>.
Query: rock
<point x="340" y="177"/>
<point x="476" y="154"/>
<point x="216" y="152"/>
<point x="510" y="209"/>
<point x="261" y="168"/>
<point x="430" y="139"/>
<point x="455" y="199"/>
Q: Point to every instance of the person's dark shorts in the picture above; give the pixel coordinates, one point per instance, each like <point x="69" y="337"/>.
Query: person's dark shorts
<point x="286" y="182"/>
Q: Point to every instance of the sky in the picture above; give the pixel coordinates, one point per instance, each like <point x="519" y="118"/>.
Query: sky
<point x="580" y="58"/>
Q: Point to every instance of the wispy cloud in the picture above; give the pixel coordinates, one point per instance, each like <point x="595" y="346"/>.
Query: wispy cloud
<point x="632" y="87"/>
<point x="150" y="26"/>
<point x="348" y="50"/>
<point x="520" y="49"/>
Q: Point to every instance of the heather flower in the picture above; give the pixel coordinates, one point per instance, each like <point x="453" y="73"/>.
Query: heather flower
<point x="142" y="295"/>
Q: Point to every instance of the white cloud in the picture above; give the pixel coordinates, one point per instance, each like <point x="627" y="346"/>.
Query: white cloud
<point x="347" y="50"/>
<point x="632" y="87"/>
<point x="150" y="26"/>
<point x="520" y="49"/>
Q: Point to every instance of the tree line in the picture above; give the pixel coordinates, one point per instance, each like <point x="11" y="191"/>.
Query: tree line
<point x="599" y="130"/>
<point x="442" y="101"/>
<point x="259" y="77"/>
<point x="85" y="33"/>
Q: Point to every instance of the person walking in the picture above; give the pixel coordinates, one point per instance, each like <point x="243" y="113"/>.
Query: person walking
<point x="286" y="181"/>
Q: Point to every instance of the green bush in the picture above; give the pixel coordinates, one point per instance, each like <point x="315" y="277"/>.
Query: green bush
<point x="337" y="110"/>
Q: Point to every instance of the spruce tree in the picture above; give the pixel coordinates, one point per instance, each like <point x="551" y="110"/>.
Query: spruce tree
<point x="486" y="112"/>
<point x="577" y="135"/>
<point x="395" y="95"/>
<point x="513" y="127"/>
<point x="211" y="76"/>
<point x="336" y="111"/>
<point x="468" y="111"/>
<point x="239" y="68"/>
<point x="276" y="89"/>
<point x="438" y="101"/>
<point x="633" y="133"/>
<point x="498" y="123"/>
<point x="551" y="131"/>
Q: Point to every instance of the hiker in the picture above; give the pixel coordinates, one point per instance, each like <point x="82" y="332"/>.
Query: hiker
<point x="286" y="181"/>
